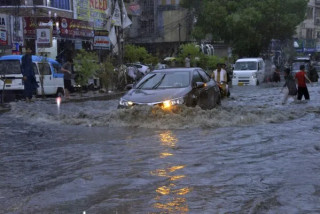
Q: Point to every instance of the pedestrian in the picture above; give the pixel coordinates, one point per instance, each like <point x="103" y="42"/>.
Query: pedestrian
<point x="29" y="77"/>
<point x="276" y="74"/>
<point x="67" y="76"/>
<point x="301" y="78"/>
<point x="289" y="86"/>
<point x="187" y="61"/>
<point x="220" y="76"/>
<point x="313" y="74"/>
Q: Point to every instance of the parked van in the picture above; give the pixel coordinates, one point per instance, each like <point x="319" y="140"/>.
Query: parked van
<point x="48" y="75"/>
<point x="248" y="71"/>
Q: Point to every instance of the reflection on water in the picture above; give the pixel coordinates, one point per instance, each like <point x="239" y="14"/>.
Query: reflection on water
<point x="171" y="197"/>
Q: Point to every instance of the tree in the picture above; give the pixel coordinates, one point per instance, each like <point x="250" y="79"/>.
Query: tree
<point x="135" y="53"/>
<point x="86" y="65"/>
<point x="247" y="25"/>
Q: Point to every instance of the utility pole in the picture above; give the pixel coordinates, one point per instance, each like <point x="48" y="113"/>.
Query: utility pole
<point x="179" y="25"/>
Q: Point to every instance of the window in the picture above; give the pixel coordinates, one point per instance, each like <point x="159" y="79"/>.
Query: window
<point x="310" y="13"/>
<point x="62" y="4"/>
<point x="204" y="76"/>
<point x="196" y="77"/>
<point x="9" y="2"/>
<point x="44" y="68"/>
<point x="10" y="67"/>
<point x="38" y="2"/>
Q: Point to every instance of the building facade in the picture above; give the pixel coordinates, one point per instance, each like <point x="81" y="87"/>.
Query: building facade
<point x="57" y="28"/>
<point x="307" y="38"/>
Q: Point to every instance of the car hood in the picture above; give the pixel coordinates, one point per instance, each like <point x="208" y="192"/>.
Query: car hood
<point x="143" y="96"/>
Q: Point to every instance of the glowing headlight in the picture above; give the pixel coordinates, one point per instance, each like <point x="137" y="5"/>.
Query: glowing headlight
<point x="125" y="102"/>
<point x="254" y="75"/>
<point x="169" y="103"/>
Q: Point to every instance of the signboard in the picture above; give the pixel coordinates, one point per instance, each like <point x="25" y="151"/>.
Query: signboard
<point x="17" y="30"/>
<point x="101" y="40"/>
<point x="3" y="29"/>
<point x="93" y="11"/>
<point x="68" y="28"/>
<point x="44" y="37"/>
<point x="76" y="28"/>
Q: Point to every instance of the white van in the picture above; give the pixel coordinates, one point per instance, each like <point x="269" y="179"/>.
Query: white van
<point x="48" y="75"/>
<point x="248" y="71"/>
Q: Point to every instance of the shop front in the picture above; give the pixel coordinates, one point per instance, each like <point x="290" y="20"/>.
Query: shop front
<point x="65" y="36"/>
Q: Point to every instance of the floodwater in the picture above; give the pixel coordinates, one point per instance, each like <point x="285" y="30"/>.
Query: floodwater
<point x="251" y="155"/>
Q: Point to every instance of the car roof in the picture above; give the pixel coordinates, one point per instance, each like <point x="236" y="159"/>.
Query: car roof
<point x="34" y="58"/>
<point x="177" y="69"/>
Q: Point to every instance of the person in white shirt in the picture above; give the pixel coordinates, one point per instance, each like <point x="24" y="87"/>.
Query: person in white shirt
<point x="220" y="76"/>
<point x="187" y="61"/>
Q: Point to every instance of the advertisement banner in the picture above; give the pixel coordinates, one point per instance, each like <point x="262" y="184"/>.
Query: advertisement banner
<point x="17" y="30"/>
<point x="76" y="28"/>
<point x="4" y="29"/>
<point x="68" y="28"/>
<point x="101" y="40"/>
<point x="44" y="37"/>
<point x="93" y="11"/>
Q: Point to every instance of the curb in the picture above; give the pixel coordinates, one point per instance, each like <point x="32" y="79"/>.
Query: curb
<point x="110" y="96"/>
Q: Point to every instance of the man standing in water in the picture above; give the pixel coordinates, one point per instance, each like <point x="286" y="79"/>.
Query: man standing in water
<point x="67" y="76"/>
<point x="301" y="77"/>
<point x="29" y="78"/>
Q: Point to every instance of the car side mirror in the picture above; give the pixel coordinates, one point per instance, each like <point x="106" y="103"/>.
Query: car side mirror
<point x="129" y="86"/>
<point x="199" y="85"/>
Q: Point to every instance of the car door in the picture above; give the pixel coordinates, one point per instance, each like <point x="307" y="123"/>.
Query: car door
<point x="45" y="77"/>
<point x="201" y="94"/>
<point x="210" y="91"/>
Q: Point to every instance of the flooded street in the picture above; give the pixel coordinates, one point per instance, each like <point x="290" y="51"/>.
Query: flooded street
<point x="251" y="155"/>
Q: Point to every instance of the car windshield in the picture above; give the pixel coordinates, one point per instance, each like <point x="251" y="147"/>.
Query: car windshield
<point x="9" y="67"/>
<point x="296" y="66"/>
<point x="164" y="80"/>
<point x="246" y="66"/>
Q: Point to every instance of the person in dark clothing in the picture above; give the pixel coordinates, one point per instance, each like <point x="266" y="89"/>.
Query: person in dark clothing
<point x="67" y="76"/>
<point x="301" y="78"/>
<point x="276" y="75"/>
<point x="29" y="78"/>
<point x="290" y="84"/>
<point x="313" y="74"/>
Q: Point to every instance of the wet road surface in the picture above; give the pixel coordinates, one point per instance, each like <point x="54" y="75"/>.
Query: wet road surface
<point x="252" y="155"/>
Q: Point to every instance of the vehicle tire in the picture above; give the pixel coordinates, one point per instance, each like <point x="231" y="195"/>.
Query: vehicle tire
<point x="60" y="92"/>
<point x="257" y="83"/>
<point x="218" y="101"/>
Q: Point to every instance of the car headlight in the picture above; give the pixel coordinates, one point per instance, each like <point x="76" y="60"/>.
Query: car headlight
<point x="234" y="75"/>
<point x="169" y="103"/>
<point x="124" y="102"/>
<point x="254" y="75"/>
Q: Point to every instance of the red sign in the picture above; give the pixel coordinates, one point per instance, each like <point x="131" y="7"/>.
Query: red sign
<point x="65" y="27"/>
<point x="76" y="28"/>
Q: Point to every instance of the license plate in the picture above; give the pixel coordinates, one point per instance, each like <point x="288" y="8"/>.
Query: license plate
<point x="240" y="84"/>
<point x="8" y="81"/>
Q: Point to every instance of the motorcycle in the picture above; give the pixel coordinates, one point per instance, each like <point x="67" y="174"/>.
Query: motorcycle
<point x="224" y="89"/>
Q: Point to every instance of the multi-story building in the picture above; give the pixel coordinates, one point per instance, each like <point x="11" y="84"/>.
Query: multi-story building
<point x="159" y="25"/>
<point x="59" y="26"/>
<point x="307" y="38"/>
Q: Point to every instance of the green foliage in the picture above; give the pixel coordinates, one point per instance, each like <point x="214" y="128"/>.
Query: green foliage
<point x="134" y="53"/>
<point x="85" y="64"/>
<point x="198" y="59"/>
<point x="247" y="25"/>
<point x="107" y="74"/>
